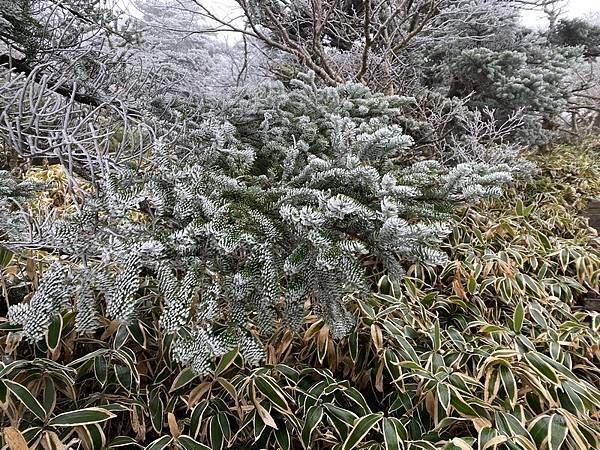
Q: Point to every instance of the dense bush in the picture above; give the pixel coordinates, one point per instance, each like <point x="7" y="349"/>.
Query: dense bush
<point x="298" y="207"/>
<point x="578" y="32"/>
<point x="305" y="263"/>
<point x="474" y="50"/>
<point x="490" y="349"/>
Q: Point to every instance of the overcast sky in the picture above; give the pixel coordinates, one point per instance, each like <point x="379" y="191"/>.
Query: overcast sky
<point x="573" y="8"/>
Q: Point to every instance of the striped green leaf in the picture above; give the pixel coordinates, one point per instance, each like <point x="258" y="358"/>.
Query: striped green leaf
<point x="25" y="397"/>
<point x="156" y="410"/>
<point x="272" y="392"/>
<point x="184" y="377"/>
<point x="81" y="417"/>
<point x="282" y="436"/>
<point x="93" y="436"/>
<point x="361" y="428"/>
<point x="313" y="419"/>
<point x="196" y="418"/>
<point x="549" y="431"/>
<point x="226" y="361"/>
<point x="544" y="369"/>
<point x="394" y="433"/>
<point x="123" y="441"/>
<point x="518" y="316"/>
<point x="54" y="332"/>
<point x="185" y="442"/>
<point x="160" y="444"/>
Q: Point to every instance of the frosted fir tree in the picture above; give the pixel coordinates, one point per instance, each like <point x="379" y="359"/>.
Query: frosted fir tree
<point x="532" y="78"/>
<point x="14" y="196"/>
<point x="517" y="74"/>
<point x="285" y="201"/>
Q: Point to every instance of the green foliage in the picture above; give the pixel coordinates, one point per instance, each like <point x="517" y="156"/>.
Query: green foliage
<point x="13" y="223"/>
<point x="476" y="51"/>
<point x="260" y="220"/>
<point x="299" y="266"/>
<point x="18" y="26"/>
<point x="577" y="32"/>
<point x="488" y="351"/>
<point x="568" y="177"/>
<point x="40" y="30"/>
<point x="529" y="77"/>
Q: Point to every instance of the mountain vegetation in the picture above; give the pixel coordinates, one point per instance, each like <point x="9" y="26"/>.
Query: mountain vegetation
<point x="305" y="225"/>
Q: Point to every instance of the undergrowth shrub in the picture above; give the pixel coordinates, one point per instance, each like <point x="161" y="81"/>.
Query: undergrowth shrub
<point x="488" y="351"/>
<point x="289" y="202"/>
